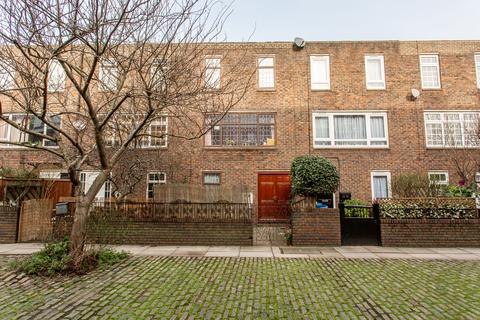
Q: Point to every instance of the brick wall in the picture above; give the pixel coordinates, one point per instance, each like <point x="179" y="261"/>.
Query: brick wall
<point x="430" y="233"/>
<point x="320" y="227"/>
<point x="8" y="224"/>
<point x="293" y="103"/>
<point x="157" y="234"/>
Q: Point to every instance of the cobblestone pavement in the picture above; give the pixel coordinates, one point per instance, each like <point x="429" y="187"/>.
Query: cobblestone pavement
<point x="250" y="288"/>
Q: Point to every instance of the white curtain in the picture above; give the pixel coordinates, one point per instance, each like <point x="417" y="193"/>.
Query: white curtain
<point x="377" y="127"/>
<point x="321" y="128"/>
<point x="380" y="187"/>
<point x="374" y="70"/>
<point x="350" y="127"/>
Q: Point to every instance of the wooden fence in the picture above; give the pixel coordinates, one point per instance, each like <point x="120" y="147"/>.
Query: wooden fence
<point x="174" y="212"/>
<point x="36" y="220"/>
<point x="184" y="193"/>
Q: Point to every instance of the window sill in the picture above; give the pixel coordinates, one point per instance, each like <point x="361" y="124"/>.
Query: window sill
<point x="352" y="147"/>
<point x="431" y="89"/>
<point x="240" y="148"/>
<point x="266" y="89"/>
<point x="321" y="90"/>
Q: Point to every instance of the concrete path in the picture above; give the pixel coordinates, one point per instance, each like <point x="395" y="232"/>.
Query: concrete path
<point x="357" y="252"/>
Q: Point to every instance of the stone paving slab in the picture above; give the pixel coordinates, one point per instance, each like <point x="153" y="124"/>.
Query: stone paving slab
<point x="250" y="288"/>
<point x="348" y="252"/>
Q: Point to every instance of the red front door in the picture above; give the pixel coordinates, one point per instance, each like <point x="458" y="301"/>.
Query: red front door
<point x="274" y="196"/>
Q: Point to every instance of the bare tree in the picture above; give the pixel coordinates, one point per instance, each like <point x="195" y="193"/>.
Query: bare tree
<point x="88" y="78"/>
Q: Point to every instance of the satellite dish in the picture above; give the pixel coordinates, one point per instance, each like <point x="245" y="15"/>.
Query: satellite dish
<point x="299" y="43"/>
<point x="415" y="94"/>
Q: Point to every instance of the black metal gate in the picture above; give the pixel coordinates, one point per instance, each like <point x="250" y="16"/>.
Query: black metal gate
<point x="360" y="225"/>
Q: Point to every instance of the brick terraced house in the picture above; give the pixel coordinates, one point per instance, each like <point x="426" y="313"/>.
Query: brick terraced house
<point x="350" y="102"/>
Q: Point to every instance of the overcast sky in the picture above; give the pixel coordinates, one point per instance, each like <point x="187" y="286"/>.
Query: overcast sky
<point x="277" y="20"/>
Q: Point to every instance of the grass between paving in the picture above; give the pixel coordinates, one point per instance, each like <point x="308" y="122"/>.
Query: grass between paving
<point x="250" y="288"/>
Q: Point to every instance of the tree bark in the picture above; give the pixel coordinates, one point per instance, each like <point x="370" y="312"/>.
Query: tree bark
<point x="79" y="233"/>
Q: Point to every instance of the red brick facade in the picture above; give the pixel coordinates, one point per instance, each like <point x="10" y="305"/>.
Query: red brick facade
<point x="320" y="227"/>
<point x="430" y="232"/>
<point x="293" y="103"/>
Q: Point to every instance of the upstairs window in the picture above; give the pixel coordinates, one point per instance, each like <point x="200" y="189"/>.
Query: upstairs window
<point x="477" y="68"/>
<point x="108" y="75"/>
<point x="320" y="72"/>
<point x="158" y="71"/>
<point x="350" y="130"/>
<point x="452" y="129"/>
<point x="430" y="71"/>
<point x="375" y="72"/>
<point x="7" y="74"/>
<point x="154" y="136"/>
<point x="153" y="179"/>
<point x="56" y="76"/>
<point x="213" y="73"/>
<point x="241" y="130"/>
<point x="266" y="73"/>
<point x="9" y="133"/>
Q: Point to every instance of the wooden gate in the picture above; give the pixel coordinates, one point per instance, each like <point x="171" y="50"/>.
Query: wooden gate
<point x="360" y="225"/>
<point x="35" y="220"/>
<point x="274" y="192"/>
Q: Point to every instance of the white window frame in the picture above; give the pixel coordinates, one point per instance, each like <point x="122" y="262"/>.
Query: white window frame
<point x="442" y="121"/>
<point x="436" y="64"/>
<point x="108" y="68"/>
<point x="259" y="68"/>
<point x="204" y="173"/>
<point x="154" y="182"/>
<point x="477" y="68"/>
<point x="331" y="138"/>
<point x="382" y="82"/>
<point x="157" y="73"/>
<point x="56" y="80"/>
<point x="438" y="172"/>
<point x="323" y="58"/>
<point x="106" y="187"/>
<point x="381" y="173"/>
<point x="25" y="136"/>
<point x="7" y="71"/>
<point x="146" y="141"/>
<point x="213" y="64"/>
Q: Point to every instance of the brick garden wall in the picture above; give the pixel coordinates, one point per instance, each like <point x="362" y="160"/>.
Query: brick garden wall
<point x="319" y="227"/>
<point x="8" y="224"/>
<point x="430" y="233"/>
<point x="161" y="233"/>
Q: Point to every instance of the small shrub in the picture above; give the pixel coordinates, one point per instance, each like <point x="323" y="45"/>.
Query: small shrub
<point x="415" y="185"/>
<point x="54" y="260"/>
<point x="356" y="212"/>
<point x="313" y="175"/>
<point x="459" y="191"/>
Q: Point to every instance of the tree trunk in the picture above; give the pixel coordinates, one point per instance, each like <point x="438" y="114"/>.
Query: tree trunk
<point x="79" y="232"/>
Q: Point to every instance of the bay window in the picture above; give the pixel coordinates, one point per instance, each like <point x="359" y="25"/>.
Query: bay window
<point x="452" y="129"/>
<point x="241" y="130"/>
<point x="350" y="130"/>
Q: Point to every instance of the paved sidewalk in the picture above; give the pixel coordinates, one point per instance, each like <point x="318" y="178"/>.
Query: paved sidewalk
<point x="357" y="252"/>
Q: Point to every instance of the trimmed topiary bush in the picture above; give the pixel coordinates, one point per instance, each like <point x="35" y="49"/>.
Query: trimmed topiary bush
<point x="313" y="175"/>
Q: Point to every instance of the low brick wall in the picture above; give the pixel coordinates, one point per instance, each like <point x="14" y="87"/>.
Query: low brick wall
<point x="8" y="224"/>
<point x="430" y="232"/>
<point x="157" y="234"/>
<point x="317" y="227"/>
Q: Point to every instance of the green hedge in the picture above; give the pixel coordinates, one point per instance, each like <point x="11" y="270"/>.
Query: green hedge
<point x="428" y="208"/>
